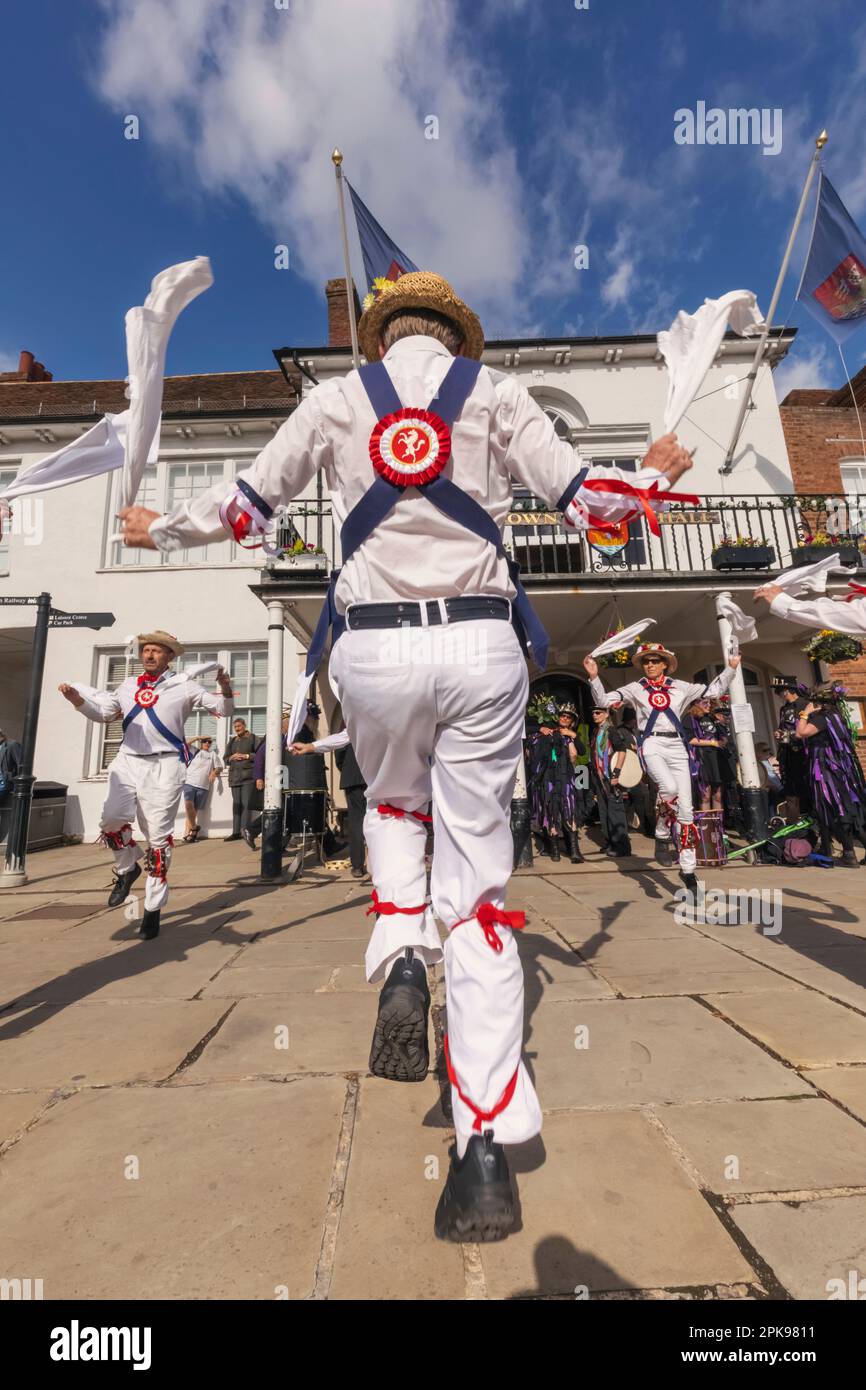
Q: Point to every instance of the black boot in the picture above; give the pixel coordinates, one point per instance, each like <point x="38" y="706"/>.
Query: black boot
<point x="848" y="860"/>
<point x="554" y="849"/>
<point x="665" y="854"/>
<point x="149" y="924"/>
<point x="540" y="848"/>
<point x="690" y="882"/>
<point x="477" y="1203"/>
<point x="122" y="885"/>
<point x="400" y="1050"/>
<point x="572" y="846"/>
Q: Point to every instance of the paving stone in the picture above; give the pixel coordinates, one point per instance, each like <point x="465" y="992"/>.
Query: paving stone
<point x="630" y="1218"/>
<point x="688" y="965"/>
<point x="798" y="1024"/>
<point x="845" y="1084"/>
<point x="17" y="1109"/>
<point x="809" y="1244"/>
<point x="644" y="1051"/>
<point x="386" y="1248"/>
<point x="326" y="1033"/>
<point x="551" y="971"/>
<point x="101" y="1044"/>
<point x="229" y="1202"/>
<point x="165" y="969"/>
<point x="36" y="965"/>
<point x="779" y="1145"/>
<point x="282" y="953"/>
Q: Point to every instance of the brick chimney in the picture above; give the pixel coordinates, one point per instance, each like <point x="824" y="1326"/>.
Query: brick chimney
<point x="28" y="370"/>
<point x="339" y="333"/>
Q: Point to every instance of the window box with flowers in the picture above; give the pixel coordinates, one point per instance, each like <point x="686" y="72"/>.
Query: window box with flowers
<point x="821" y="545"/>
<point x="831" y="647"/>
<point x="302" y="557"/>
<point x="742" y="553"/>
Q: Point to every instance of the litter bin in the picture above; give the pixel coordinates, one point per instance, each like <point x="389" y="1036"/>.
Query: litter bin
<point x="47" y="813"/>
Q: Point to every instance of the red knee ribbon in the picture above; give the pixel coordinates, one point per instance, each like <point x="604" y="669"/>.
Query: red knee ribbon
<point x="486" y="914"/>
<point x="113" y="839"/>
<point x="481" y="1116"/>
<point x="667" y="810"/>
<point x="156" y="861"/>
<point x="385" y="809"/>
<point x="689" y="835"/>
<point x="385" y="909"/>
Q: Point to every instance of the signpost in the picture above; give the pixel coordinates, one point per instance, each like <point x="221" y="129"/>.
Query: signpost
<point x="14" y="874"/>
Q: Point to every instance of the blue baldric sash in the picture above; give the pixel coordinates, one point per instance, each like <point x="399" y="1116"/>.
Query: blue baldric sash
<point x="654" y="714"/>
<point x="379" y="499"/>
<point x="178" y="743"/>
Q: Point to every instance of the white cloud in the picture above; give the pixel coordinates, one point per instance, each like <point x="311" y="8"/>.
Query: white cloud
<point x="8" y="361"/>
<point x="249" y="100"/>
<point x="807" y="370"/>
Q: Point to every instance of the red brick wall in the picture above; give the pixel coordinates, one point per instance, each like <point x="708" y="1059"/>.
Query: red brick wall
<point x="818" y="437"/>
<point x="339" y="332"/>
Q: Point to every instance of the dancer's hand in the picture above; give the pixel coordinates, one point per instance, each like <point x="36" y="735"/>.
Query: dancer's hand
<point x="590" y="666"/>
<point x="71" y="694"/>
<point x="135" y="527"/>
<point x="734" y="661"/>
<point x="260" y="786"/>
<point x="668" y="457"/>
<point x="297" y="748"/>
<point x="768" y="592"/>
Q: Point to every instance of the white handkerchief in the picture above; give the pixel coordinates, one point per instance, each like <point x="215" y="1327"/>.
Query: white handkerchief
<point x="690" y="345"/>
<point x="299" y="707"/>
<point x="622" y="639"/>
<point x="804" y="579"/>
<point x="743" y="627"/>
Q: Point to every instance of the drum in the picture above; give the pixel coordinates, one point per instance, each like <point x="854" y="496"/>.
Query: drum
<point x="711" y="852"/>
<point x="631" y="770"/>
<point x="305" y="806"/>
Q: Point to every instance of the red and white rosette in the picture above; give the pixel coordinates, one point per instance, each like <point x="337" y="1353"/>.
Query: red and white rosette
<point x="146" y="697"/>
<point x="659" y="699"/>
<point x="410" y="447"/>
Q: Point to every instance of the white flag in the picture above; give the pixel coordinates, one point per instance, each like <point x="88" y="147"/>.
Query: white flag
<point x="804" y="579"/>
<point x="742" y="626"/>
<point x="690" y="345"/>
<point x="623" y="639"/>
<point x="148" y="329"/>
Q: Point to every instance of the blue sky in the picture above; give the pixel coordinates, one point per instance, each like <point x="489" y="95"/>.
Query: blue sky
<point x="555" y="128"/>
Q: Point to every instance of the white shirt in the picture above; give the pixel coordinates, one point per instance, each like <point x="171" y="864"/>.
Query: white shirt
<point x="501" y="437"/>
<point x="823" y="612"/>
<point x="206" y="761"/>
<point x="176" y="698"/>
<point x="681" y="696"/>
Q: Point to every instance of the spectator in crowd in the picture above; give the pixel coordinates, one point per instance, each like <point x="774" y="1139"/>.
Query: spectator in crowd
<point x="708" y="744"/>
<point x="642" y="796"/>
<point x="839" y="790"/>
<point x="353" y="784"/>
<point x="768" y="772"/>
<point x="793" y="759"/>
<point x="201" y="773"/>
<point x="552" y="753"/>
<point x="239" y="758"/>
<point x="11" y="757"/>
<point x="608" y="748"/>
<point x="254" y="826"/>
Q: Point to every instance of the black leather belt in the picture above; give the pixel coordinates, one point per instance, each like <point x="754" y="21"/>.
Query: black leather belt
<point x="459" y="610"/>
<point x="660" y="735"/>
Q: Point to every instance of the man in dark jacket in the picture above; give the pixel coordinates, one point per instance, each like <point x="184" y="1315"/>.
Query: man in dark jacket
<point x="11" y="756"/>
<point x="355" y="787"/>
<point x="239" y="759"/>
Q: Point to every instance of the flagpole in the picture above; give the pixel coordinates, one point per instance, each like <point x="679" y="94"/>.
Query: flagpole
<point x="759" y="351"/>
<point x="337" y="157"/>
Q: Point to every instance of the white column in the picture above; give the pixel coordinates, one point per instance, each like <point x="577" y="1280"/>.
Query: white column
<point x="274" y="735"/>
<point x="745" y="739"/>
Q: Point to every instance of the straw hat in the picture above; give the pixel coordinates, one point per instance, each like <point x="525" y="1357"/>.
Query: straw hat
<point x="654" y="649"/>
<point x="419" y="289"/>
<point x="163" y="639"/>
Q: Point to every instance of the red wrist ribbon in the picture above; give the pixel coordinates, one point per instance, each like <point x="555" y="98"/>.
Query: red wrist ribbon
<point x="643" y="495"/>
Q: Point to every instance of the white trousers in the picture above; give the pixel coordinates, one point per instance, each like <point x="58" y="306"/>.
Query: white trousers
<point x="148" y="789"/>
<point x="437" y="715"/>
<point x="667" y="762"/>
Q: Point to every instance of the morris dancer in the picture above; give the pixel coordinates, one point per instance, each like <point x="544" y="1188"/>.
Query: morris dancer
<point x="659" y="700"/>
<point x="147" y="775"/>
<point x="844" y="614"/>
<point x="838" y="787"/>
<point x="422" y="547"/>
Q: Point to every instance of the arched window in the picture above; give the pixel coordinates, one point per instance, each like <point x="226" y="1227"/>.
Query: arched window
<point x="560" y="424"/>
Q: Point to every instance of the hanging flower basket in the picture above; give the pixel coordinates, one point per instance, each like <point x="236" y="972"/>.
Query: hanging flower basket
<point x="302" y="557"/>
<point x="620" y="658"/>
<point x="820" y="545"/>
<point x="832" y="646"/>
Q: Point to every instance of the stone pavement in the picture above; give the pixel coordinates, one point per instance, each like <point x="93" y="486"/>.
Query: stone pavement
<point x="193" y="1118"/>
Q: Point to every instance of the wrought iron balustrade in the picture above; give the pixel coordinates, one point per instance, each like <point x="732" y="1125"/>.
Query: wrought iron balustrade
<point x="544" y="547"/>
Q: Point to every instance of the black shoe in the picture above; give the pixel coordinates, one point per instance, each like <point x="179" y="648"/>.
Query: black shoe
<point x="539" y="847"/>
<point x="400" y="1050"/>
<point x="572" y="846"/>
<point x="477" y="1203"/>
<point x="848" y="860"/>
<point x="227" y="839"/>
<point x="690" y="882"/>
<point x="359" y="873"/>
<point x="122" y="885"/>
<point x="554" y="849"/>
<point x="248" y="838"/>
<point x="665" y="854"/>
<point x="149" y="925"/>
